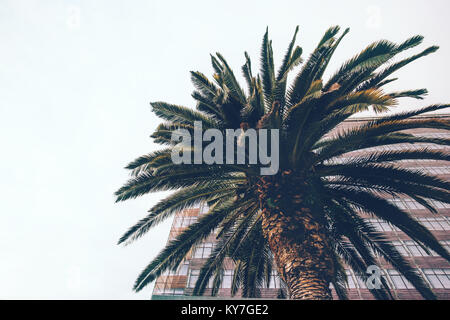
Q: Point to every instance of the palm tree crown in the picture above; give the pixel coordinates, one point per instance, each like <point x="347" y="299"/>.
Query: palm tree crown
<point x="307" y="218"/>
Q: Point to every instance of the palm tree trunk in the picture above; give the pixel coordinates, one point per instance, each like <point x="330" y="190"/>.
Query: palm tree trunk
<point x="297" y="240"/>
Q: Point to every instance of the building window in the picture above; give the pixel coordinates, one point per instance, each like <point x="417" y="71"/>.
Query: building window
<point x="203" y="250"/>
<point x="411" y="248"/>
<point x="394" y="280"/>
<point x="381" y="225"/>
<point x="439" y="224"/>
<point x="184" y="221"/>
<point x="399" y="281"/>
<point x="193" y="277"/>
<point x="438" y="278"/>
<point x="400" y="248"/>
<point x="439" y="204"/>
<point x="183" y="269"/>
<point x="171" y="292"/>
<point x="274" y="280"/>
<point x="178" y="292"/>
<point x="227" y="279"/>
<point x="361" y="283"/>
<point x="398" y="203"/>
<point x="351" y="284"/>
<point x="445" y="244"/>
<point x="415" y="249"/>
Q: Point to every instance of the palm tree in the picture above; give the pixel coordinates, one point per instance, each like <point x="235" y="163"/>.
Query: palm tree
<point x="308" y="215"/>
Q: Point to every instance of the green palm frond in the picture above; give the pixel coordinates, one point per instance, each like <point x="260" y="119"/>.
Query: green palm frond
<point x="182" y="115"/>
<point x="376" y="80"/>
<point x="177" y="249"/>
<point x="176" y="202"/>
<point x="267" y="68"/>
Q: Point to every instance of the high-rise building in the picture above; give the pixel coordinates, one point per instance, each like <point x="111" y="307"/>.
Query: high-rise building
<point x="434" y="269"/>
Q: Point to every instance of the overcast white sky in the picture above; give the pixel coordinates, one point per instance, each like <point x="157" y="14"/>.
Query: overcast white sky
<point x="76" y="79"/>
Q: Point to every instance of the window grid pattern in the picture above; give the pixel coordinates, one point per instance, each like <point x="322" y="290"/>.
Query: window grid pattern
<point x="437" y="278"/>
<point x="411" y="248"/>
<point x="275" y="282"/>
<point x="181" y="271"/>
<point x="193" y="277"/>
<point x="406" y="203"/>
<point x="438" y="223"/>
<point x="227" y="279"/>
<point x="397" y="281"/>
<point x="184" y="221"/>
<point x="169" y="292"/>
<point x="203" y="250"/>
<point x="432" y="223"/>
<point x="381" y="225"/>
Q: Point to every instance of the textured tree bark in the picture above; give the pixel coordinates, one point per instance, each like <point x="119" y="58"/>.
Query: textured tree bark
<point x="297" y="240"/>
